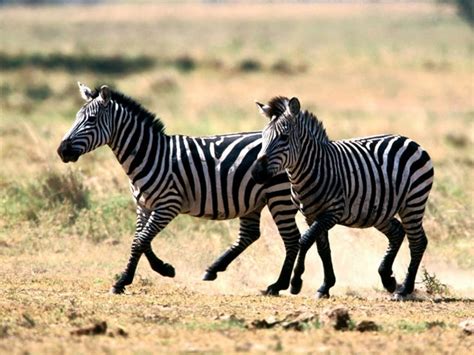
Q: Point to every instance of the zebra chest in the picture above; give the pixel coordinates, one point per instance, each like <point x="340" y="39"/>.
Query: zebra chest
<point x="309" y="206"/>
<point x="141" y="197"/>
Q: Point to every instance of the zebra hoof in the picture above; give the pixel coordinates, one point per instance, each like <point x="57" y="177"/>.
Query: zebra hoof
<point x="117" y="290"/>
<point x="209" y="276"/>
<point x="390" y="285"/>
<point x="398" y="297"/>
<point x="321" y="295"/>
<point x="296" y="286"/>
<point x="271" y="290"/>
<point x="168" y="270"/>
<point x="402" y="295"/>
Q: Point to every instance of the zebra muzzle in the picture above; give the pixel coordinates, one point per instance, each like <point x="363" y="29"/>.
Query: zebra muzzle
<point x="67" y="153"/>
<point x="260" y="171"/>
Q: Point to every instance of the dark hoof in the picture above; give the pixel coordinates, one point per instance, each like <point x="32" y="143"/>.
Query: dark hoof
<point x="117" y="290"/>
<point x="321" y="295"/>
<point x="399" y="297"/>
<point x="296" y="286"/>
<point x="403" y="295"/>
<point x="271" y="290"/>
<point x="168" y="270"/>
<point x="390" y="284"/>
<point x="209" y="276"/>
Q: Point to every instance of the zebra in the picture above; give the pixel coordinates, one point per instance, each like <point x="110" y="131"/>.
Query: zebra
<point x="360" y="183"/>
<point x="207" y="177"/>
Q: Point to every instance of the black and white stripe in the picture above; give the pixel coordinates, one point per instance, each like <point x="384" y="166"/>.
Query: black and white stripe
<point x="205" y="177"/>
<point x="359" y="183"/>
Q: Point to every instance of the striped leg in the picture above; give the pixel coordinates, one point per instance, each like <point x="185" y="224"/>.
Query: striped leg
<point x="395" y="234"/>
<point x="248" y="233"/>
<point x="318" y="231"/>
<point x="142" y="218"/>
<point x="142" y="244"/>
<point x="284" y="217"/>
<point x="417" y="243"/>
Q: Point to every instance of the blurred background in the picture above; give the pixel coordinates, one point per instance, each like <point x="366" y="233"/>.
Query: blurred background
<point x="363" y="67"/>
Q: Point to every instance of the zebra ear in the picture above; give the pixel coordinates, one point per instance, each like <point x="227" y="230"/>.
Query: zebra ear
<point x="86" y="93"/>
<point x="294" y="106"/>
<point x="105" y="94"/>
<point x="264" y="109"/>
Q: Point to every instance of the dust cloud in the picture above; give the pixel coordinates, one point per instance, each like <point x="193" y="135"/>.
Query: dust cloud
<point x="356" y="256"/>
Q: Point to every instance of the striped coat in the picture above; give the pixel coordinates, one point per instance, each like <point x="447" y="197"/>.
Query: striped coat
<point x="206" y="177"/>
<point x="359" y="183"/>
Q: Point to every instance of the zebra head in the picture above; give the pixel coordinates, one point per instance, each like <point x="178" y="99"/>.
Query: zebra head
<point x="279" y="138"/>
<point x="91" y="129"/>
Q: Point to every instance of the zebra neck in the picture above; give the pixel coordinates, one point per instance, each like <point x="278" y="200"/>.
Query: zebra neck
<point x="138" y="145"/>
<point x="311" y="166"/>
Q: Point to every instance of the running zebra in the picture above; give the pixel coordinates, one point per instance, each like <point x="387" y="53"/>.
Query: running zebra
<point x="358" y="183"/>
<point x="206" y="177"/>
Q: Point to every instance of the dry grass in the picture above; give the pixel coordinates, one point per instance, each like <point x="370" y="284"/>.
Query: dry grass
<point x="65" y="230"/>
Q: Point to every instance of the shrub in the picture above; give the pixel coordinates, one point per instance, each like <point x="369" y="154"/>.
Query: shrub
<point x="433" y="285"/>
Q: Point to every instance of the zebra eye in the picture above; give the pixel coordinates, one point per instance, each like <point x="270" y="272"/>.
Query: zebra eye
<point x="92" y="119"/>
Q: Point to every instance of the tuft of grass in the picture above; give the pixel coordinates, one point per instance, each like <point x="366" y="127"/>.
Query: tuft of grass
<point x="106" y="220"/>
<point x="433" y="285"/>
<point x="412" y="327"/>
<point x="185" y="63"/>
<point x="58" y="188"/>
<point x="111" y="64"/>
<point x="39" y="92"/>
<point x="250" y="65"/>
<point x="50" y="190"/>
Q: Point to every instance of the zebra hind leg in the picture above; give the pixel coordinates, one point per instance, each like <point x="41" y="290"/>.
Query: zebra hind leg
<point x="417" y="242"/>
<point x="395" y="233"/>
<point x="164" y="269"/>
<point x="249" y="232"/>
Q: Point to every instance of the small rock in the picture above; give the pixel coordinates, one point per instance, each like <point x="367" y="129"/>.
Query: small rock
<point x="96" y="329"/>
<point x="298" y="321"/>
<point x="266" y="323"/>
<point x="28" y="321"/>
<point x="467" y="326"/>
<point x="119" y="332"/>
<point x="337" y="318"/>
<point x="367" y="326"/>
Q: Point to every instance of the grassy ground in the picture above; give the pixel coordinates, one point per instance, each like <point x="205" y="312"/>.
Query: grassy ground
<point x="65" y="230"/>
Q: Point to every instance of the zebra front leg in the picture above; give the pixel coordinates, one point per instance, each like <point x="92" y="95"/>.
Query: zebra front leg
<point x="395" y="233"/>
<point x="142" y="244"/>
<point x="248" y="233"/>
<point x="291" y="241"/>
<point x="126" y="278"/>
<point x="297" y="281"/>
<point x="283" y="213"/>
<point x="318" y="231"/>
<point x="324" y="251"/>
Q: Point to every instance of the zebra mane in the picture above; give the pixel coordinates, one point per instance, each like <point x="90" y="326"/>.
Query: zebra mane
<point x="315" y="126"/>
<point x="278" y="106"/>
<point x="134" y="107"/>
